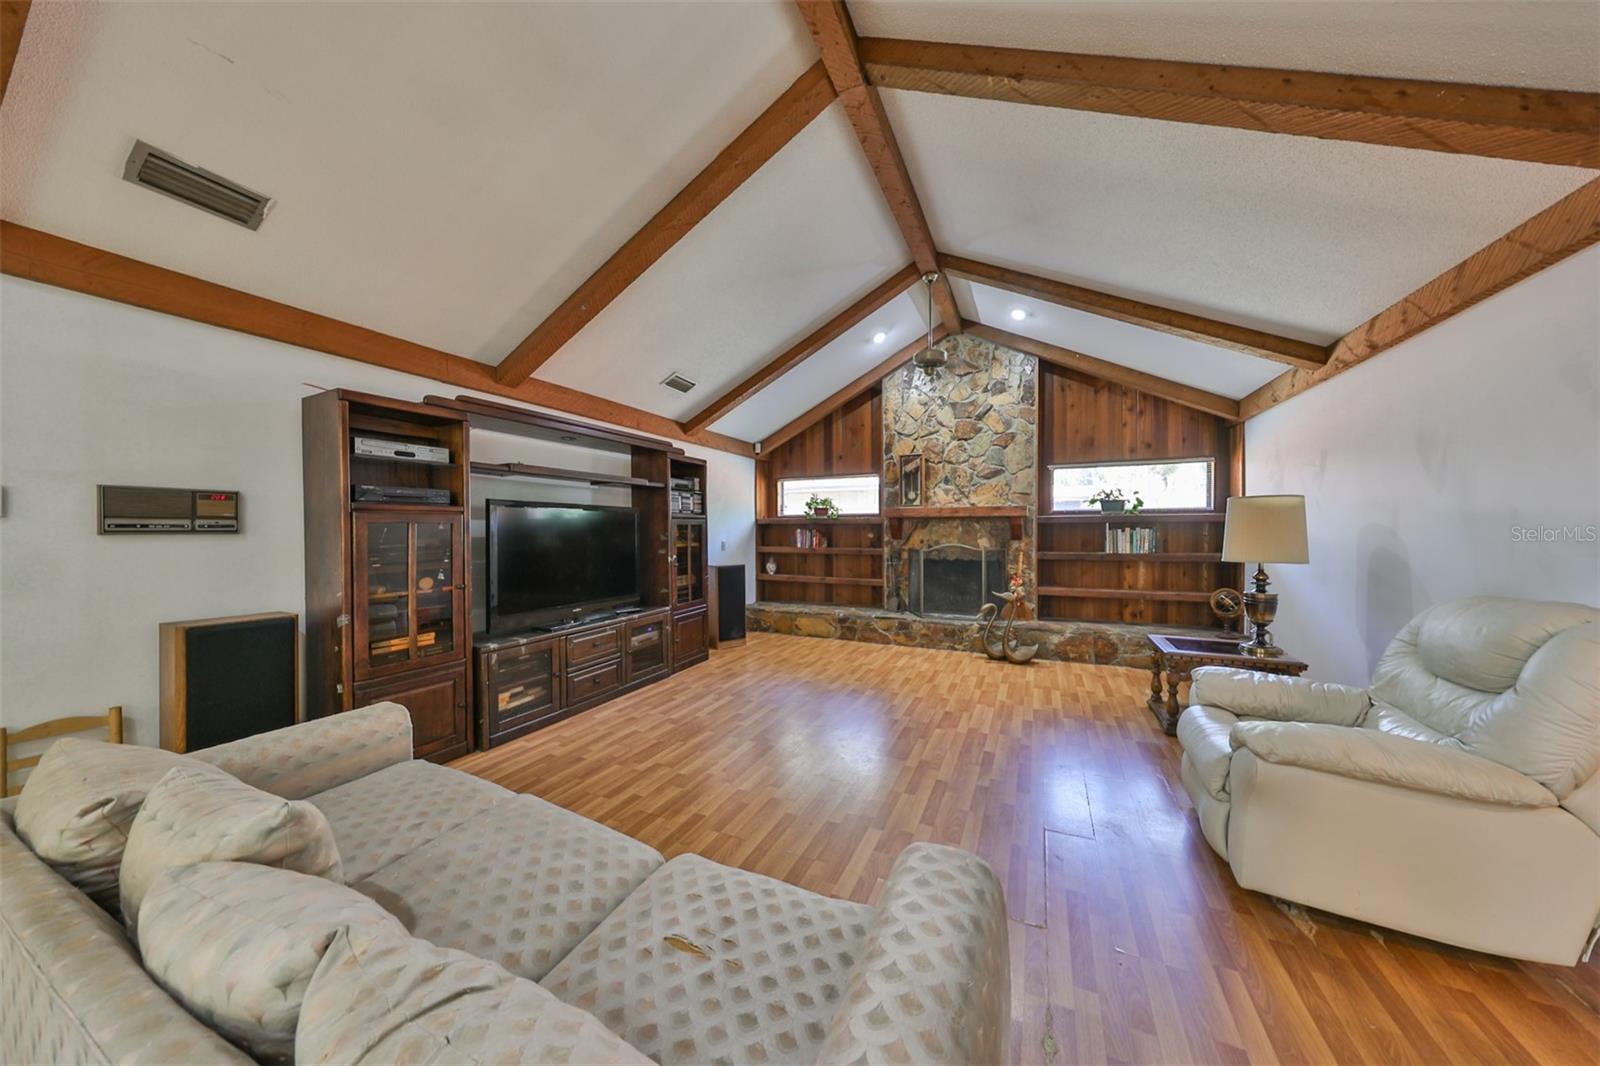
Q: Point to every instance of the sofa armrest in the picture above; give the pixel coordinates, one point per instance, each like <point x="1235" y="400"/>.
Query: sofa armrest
<point x="933" y="980"/>
<point x="1368" y="755"/>
<point x="310" y="757"/>
<point x="1250" y="694"/>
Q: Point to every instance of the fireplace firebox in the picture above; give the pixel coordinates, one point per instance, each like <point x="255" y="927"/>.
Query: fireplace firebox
<point x="954" y="580"/>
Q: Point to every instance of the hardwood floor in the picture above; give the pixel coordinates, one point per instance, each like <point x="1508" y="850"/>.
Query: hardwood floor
<point x="816" y="761"/>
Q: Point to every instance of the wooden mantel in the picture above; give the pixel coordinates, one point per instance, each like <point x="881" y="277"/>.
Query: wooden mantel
<point x="898" y="515"/>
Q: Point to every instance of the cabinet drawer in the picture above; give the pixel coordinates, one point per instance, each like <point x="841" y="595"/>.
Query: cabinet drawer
<point x="589" y="684"/>
<point x="588" y="647"/>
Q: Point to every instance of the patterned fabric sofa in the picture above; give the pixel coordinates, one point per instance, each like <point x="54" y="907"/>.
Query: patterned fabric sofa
<point x="686" y="961"/>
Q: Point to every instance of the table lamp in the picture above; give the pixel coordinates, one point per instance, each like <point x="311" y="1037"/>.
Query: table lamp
<point x="1260" y="530"/>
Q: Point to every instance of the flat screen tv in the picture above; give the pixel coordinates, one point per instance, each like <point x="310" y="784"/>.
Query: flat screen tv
<point x="552" y="562"/>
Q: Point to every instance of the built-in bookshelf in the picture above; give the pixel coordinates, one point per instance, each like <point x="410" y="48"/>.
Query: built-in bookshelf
<point x="1147" y="568"/>
<point x="821" y="560"/>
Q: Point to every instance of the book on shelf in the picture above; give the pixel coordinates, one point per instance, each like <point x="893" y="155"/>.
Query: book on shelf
<point x="1131" y="540"/>
<point x="805" y="537"/>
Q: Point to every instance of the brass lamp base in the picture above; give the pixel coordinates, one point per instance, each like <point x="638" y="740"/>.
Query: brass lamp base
<point x="1261" y="607"/>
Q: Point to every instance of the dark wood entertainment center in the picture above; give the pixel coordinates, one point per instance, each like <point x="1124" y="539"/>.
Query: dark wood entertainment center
<point x="388" y="603"/>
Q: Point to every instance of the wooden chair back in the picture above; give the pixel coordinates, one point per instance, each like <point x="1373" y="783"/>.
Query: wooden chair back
<point x="56" y="727"/>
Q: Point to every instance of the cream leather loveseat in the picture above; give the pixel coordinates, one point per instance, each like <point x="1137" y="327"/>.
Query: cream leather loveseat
<point x="1456" y="798"/>
<point x="467" y="924"/>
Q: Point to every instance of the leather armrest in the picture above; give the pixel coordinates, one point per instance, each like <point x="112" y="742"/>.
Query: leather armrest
<point x="1250" y="694"/>
<point x="933" y="980"/>
<point x="310" y="757"/>
<point x="1368" y="755"/>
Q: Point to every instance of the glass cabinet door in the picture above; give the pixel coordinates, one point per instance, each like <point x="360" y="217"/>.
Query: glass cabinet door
<point x="436" y="589"/>
<point x="689" y="562"/>
<point x="409" y="602"/>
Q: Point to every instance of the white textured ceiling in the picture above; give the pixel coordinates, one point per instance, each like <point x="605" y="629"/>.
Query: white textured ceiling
<point x="805" y="237"/>
<point x="1547" y="44"/>
<point x="837" y="364"/>
<point x="1298" y="236"/>
<point x="1205" y="366"/>
<point x="447" y="173"/>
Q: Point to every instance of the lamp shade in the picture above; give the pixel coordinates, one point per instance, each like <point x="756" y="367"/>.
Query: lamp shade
<point x="1265" y="529"/>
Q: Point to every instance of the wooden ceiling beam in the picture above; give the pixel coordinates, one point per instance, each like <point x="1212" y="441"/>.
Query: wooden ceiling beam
<point x="1569" y="225"/>
<point x="860" y="385"/>
<point x="13" y="19"/>
<point x="1533" y="125"/>
<point x="803" y="101"/>
<point x="42" y="257"/>
<point x="1255" y="342"/>
<point x="831" y="28"/>
<point x="823" y="335"/>
<point x="1187" y="395"/>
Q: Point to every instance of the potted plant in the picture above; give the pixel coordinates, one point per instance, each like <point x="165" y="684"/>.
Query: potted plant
<point x="821" y="507"/>
<point x="1112" y="501"/>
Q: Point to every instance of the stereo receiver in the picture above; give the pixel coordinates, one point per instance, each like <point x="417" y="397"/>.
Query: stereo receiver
<point x="137" y="509"/>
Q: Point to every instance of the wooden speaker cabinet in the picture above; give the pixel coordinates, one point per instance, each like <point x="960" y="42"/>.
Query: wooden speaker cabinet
<point x="227" y="678"/>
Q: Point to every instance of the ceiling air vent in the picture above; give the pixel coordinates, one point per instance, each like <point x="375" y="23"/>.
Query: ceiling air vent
<point x="171" y="176"/>
<point x="677" y="381"/>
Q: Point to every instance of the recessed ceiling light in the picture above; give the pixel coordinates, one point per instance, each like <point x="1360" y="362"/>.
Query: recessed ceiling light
<point x="1018" y="314"/>
<point x="879" y="337"/>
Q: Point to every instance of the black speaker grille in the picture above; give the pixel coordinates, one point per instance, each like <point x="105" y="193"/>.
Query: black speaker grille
<point x="241" y="680"/>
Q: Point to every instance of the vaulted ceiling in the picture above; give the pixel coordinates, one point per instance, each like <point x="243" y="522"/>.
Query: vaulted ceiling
<point x="606" y="194"/>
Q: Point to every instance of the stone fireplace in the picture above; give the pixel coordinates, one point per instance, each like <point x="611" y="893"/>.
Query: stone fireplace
<point x="972" y="424"/>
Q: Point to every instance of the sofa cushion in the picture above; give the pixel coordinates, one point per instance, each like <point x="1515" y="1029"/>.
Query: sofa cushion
<point x="706" y="963"/>
<point x="378" y="818"/>
<point x="377" y="997"/>
<point x="71" y="986"/>
<point x="1203" y="733"/>
<point x="301" y="760"/>
<point x="77" y="806"/>
<point x="520" y="884"/>
<point x="236" y="943"/>
<point x="201" y="814"/>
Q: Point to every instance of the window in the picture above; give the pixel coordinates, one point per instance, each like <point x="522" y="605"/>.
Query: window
<point x="1181" y="485"/>
<point x="852" y="495"/>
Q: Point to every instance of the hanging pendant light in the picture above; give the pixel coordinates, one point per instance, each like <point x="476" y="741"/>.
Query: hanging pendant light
<point x="929" y="358"/>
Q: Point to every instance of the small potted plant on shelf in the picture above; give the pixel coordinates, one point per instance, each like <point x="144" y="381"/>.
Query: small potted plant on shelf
<point x="821" y="507"/>
<point x="1112" y="501"/>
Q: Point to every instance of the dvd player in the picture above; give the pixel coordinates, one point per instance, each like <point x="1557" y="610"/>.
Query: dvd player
<point x="399" y="494"/>
<point x="378" y="448"/>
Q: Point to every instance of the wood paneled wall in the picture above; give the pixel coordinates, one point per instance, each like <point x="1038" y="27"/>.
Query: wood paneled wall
<point x="848" y="441"/>
<point x="1086" y="420"/>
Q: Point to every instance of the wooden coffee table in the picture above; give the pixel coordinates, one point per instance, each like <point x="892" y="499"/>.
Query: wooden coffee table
<point x="1176" y="655"/>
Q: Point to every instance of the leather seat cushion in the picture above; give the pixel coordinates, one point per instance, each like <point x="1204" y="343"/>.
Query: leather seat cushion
<point x="520" y="884"/>
<point x="706" y="963"/>
<point x="379" y="818"/>
<point x="1203" y="732"/>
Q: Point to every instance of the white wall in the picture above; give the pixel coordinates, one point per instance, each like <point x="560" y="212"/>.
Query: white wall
<point x="1426" y="468"/>
<point x="97" y="392"/>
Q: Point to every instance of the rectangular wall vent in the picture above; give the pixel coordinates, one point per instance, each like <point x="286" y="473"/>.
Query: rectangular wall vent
<point x="171" y="176"/>
<point x="678" y="381"/>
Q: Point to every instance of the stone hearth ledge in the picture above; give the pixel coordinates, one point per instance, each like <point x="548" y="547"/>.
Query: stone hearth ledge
<point x="1101" y="643"/>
